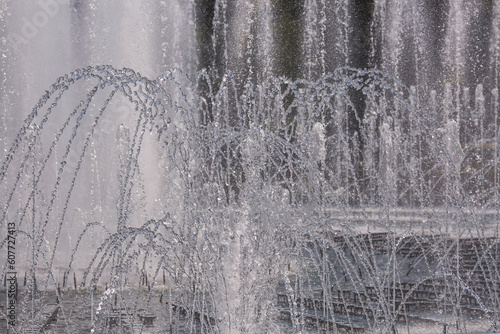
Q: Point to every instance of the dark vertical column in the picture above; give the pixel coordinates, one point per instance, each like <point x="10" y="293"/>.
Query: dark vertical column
<point x="359" y="57"/>
<point x="360" y="39"/>
<point x="435" y="11"/>
<point x="288" y="37"/>
<point x="360" y="51"/>
<point x="477" y="66"/>
<point x="204" y="16"/>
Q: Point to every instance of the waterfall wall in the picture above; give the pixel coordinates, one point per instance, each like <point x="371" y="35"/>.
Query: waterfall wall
<point x="420" y="42"/>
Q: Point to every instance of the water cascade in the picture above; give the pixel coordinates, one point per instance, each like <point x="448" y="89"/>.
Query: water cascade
<point x="301" y="166"/>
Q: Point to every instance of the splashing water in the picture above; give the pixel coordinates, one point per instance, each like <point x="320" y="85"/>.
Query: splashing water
<point x="249" y="210"/>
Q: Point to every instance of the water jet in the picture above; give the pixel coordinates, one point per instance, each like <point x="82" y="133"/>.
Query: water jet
<point x="348" y="192"/>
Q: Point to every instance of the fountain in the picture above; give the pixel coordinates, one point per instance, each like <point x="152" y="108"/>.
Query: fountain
<point x="324" y="184"/>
